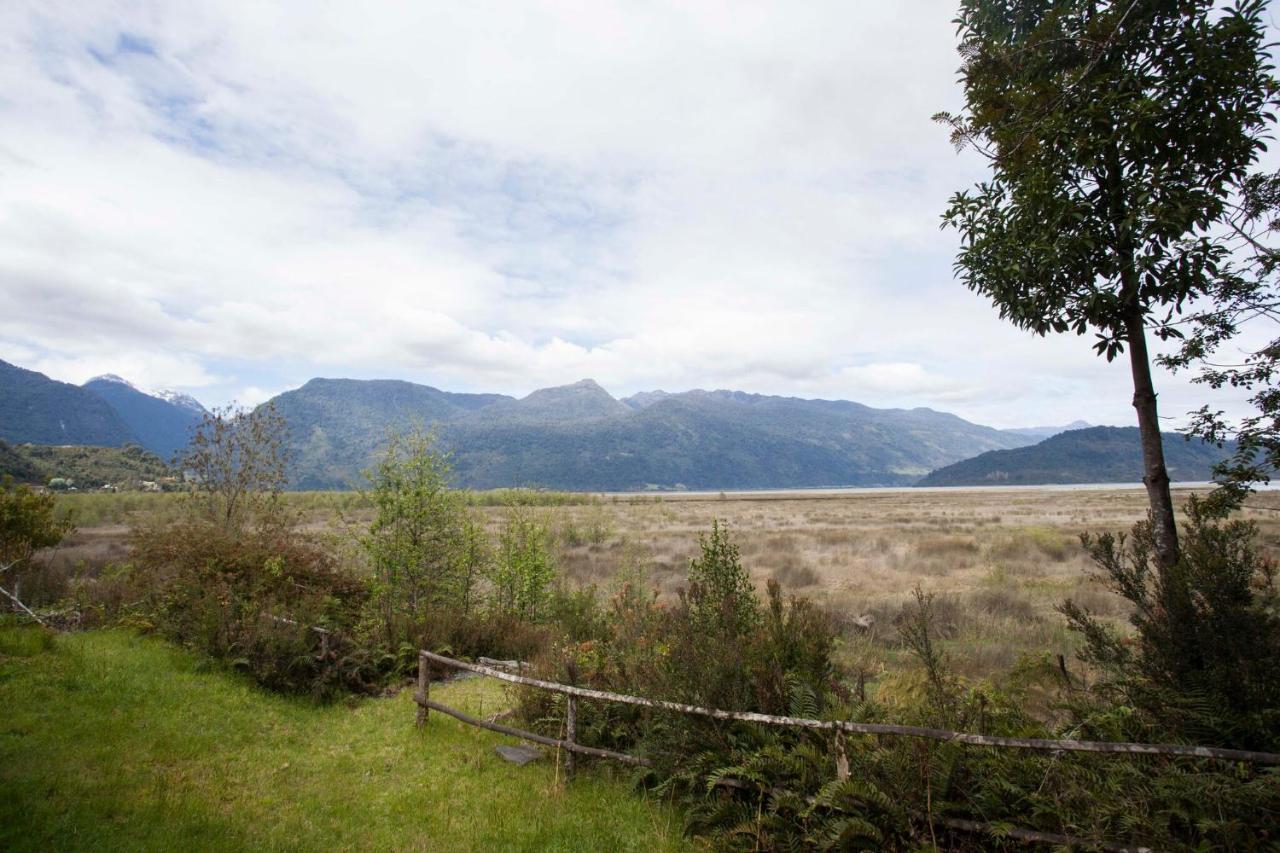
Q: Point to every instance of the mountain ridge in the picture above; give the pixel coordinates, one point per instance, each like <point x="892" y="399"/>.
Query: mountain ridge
<point x="1092" y="455"/>
<point x="578" y="436"/>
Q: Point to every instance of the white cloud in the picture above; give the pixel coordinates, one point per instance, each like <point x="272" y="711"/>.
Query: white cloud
<point x="231" y="197"/>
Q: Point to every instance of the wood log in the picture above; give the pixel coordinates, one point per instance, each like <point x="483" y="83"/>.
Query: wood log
<point x="535" y="738"/>
<point x="945" y="735"/>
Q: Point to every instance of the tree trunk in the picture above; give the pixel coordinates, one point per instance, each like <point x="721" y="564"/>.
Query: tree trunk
<point x="1155" y="475"/>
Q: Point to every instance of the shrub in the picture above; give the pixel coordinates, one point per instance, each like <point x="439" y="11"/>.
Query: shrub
<point x="1205" y="660"/>
<point x="524" y="568"/>
<point x="422" y="550"/>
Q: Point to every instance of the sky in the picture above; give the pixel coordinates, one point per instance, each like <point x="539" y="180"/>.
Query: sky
<point x="229" y="199"/>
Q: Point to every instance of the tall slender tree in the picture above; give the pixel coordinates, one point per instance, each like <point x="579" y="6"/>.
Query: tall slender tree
<point x="1117" y="132"/>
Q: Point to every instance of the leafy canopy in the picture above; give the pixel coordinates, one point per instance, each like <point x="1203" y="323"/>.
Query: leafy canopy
<point x="1117" y="133"/>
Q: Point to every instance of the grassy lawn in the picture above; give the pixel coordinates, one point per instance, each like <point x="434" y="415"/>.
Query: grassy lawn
<point x="112" y="741"/>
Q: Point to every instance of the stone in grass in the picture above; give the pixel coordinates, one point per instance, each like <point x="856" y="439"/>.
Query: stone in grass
<point x="520" y="755"/>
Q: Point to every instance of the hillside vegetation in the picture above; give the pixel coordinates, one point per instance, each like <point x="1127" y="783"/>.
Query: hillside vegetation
<point x="85" y="466"/>
<point x="1094" y="455"/>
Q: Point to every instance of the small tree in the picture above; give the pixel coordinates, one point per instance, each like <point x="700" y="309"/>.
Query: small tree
<point x="28" y="522"/>
<point x="722" y="601"/>
<point x="238" y="462"/>
<point x="420" y="543"/>
<point x="1205" y="659"/>
<point x="524" y="568"/>
<point x="1117" y="133"/>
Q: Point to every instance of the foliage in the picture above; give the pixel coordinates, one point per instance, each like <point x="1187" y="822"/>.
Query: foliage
<point x="238" y="462"/>
<point x="29" y="521"/>
<point x="1247" y="300"/>
<point x="265" y="600"/>
<point x="124" y="468"/>
<point x="1117" y="133"/>
<point x="423" y="552"/>
<point x="721" y="600"/>
<point x="1204" y="664"/>
<point x="523" y="568"/>
<point x="232" y="576"/>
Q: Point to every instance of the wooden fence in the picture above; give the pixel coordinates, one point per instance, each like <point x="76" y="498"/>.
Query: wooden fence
<point x="839" y="728"/>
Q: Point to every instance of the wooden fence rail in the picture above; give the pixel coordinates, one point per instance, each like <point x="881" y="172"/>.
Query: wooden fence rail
<point x="945" y="735"/>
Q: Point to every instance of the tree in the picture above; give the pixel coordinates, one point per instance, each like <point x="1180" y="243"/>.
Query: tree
<point x="1117" y="134"/>
<point x="28" y="522"/>
<point x="722" y="600"/>
<point x="419" y="543"/>
<point x="238" y="462"/>
<point x="524" y="567"/>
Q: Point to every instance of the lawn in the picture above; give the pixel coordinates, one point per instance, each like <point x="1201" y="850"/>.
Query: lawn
<point x="111" y="741"/>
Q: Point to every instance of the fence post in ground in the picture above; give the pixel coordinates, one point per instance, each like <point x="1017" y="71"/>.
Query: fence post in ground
<point x="424" y="689"/>
<point x="570" y="732"/>
<point x="842" y="760"/>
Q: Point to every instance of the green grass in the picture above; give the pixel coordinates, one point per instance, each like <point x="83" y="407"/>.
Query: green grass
<point x="110" y="741"/>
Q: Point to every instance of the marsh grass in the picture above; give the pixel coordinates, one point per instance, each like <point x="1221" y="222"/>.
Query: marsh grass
<point x="1010" y="557"/>
<point x="110" y="741"/>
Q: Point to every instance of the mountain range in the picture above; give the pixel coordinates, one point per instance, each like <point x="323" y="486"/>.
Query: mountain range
<point x="1094" y="455"/>
<point x="106" y="411"/>
<point x="580" y="437"/>
<point x="574" y="436"/>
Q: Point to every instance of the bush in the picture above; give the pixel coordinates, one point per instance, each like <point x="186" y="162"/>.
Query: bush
<point x="524" y="568"/>
<point x="1204" y="664"/>
<point x="421" y="548"/>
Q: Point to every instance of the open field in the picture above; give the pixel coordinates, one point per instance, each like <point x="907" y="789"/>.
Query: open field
<point x="998" y="559"/>
<point x="114" y="742"/>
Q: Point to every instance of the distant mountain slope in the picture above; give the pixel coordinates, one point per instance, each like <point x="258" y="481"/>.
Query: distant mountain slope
<point x="1040" y="433"/>
<point x="1094" y="455"/>
<point x="335" y="425"/>
<point x="40" y="410"/>
<point x="581" y="401"/>
<point x="579" y="437"/>
<point x="87" y="467"/>
<point x="163" y="426"/>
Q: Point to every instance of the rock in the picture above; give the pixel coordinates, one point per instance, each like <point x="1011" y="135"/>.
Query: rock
<point x="519" y="755"/>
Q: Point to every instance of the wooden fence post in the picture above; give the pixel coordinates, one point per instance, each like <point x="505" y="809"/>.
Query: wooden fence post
<point x="424" y="689"/>
<point x="570" y="733"/>
<point x="842" y="759"/>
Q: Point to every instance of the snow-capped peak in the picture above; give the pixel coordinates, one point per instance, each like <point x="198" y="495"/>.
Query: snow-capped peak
<point x="177" y="398"/>
<point x="111" y="377"/>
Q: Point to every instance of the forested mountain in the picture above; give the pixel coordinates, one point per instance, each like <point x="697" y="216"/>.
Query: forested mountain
<point x="161" y="424"/>
<point x="1094" y="455"/>
<point x="40" y="410"/>
<point x="579" y="437"/>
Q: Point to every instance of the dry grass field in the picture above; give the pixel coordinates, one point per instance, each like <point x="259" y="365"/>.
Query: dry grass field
<point x="997" y="560"/>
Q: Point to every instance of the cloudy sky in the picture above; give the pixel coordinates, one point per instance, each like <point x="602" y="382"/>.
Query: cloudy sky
<point x="232" y="198"/>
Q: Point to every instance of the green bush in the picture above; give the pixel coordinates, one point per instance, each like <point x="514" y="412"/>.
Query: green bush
<point x="1204" y="662"/>
<point x="524" y="567"/>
